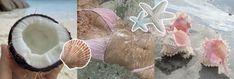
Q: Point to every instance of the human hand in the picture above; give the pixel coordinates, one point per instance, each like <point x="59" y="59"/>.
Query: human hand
<point x="9" y="69"/>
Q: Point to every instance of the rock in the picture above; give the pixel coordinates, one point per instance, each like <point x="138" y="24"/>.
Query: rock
<point x="8" y="5"/>
<point x="20" y="3"/>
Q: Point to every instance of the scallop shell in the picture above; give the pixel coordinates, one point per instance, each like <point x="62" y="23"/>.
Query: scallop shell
<point x="76" y="54"/>
<point x="215" y="54"/>
<point x="175" y="42"/>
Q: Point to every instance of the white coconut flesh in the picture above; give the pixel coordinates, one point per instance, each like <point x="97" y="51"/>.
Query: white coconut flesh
<point x="39" y="40"/>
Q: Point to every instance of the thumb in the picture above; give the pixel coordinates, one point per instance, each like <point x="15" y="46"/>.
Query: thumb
<point x="5" y="54"/>
<point x="5" y="71"/>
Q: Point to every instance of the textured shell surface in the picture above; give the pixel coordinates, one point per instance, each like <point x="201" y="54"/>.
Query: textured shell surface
<point x="182" y="22"/>
<point x="175" y="42"/>
<point x="215" y="54"/>
<point x="76" y="54"/>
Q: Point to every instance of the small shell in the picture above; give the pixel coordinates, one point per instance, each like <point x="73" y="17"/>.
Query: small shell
<point x="76" y="54"/>
<point x="175" y="42"/>
<point x="215" y="54"/>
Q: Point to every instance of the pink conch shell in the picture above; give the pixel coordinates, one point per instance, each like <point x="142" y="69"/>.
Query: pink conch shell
<point x="182" y="22"/>
<point x="215" y="54"/>
<point x="175" y="42"/>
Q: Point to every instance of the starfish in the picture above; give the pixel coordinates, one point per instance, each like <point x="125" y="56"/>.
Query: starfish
<point x="157" y="14"/>
<point x="139" y="22"/>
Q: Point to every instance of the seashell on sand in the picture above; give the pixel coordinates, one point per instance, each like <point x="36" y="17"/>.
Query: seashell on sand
<point x="175" y="42"/>
<point x="215" y="54"/>
<point x="76" y="54"/>
<point x="182" y="22"/>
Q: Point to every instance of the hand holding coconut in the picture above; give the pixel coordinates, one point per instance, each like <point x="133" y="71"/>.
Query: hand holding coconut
<point x="9" y="69"/>
<point x="35" y="44"/>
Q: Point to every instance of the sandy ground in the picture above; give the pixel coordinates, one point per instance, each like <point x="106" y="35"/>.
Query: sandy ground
<point x="7" y="19"/>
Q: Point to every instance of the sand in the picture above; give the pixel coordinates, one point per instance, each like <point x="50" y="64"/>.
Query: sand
<point x="7" y="19"/>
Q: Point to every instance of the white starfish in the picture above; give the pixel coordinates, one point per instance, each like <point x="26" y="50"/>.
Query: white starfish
<point x="139" y="22"/>
<point x="157" y="14"/>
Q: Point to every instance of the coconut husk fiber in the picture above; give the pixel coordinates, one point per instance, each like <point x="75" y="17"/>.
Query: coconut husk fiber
<point x="134" y="50"/>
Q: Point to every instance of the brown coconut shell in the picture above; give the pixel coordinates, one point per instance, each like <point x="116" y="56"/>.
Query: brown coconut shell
<point x="133" y="50"/>
<point x="91" y="25"/>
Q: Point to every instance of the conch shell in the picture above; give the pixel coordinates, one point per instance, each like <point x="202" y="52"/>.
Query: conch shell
<point x="177" y="41"/>
<point x="182" y="22"/>
<point x="215" y="54"/>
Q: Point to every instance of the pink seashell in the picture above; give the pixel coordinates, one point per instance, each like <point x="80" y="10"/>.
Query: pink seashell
<point x="215" y="54"/>
<point x="182" y="22"/>
<point x="176" y="41"/>
<point x="181" y="38"/>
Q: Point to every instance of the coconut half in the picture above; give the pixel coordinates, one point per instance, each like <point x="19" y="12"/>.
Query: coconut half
<point x="36" y="42"/>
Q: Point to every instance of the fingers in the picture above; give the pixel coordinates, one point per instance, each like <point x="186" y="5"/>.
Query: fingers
<point x="5" y="71"/>
<point x="5" y="53"/>
<point x="5" y="68"/>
